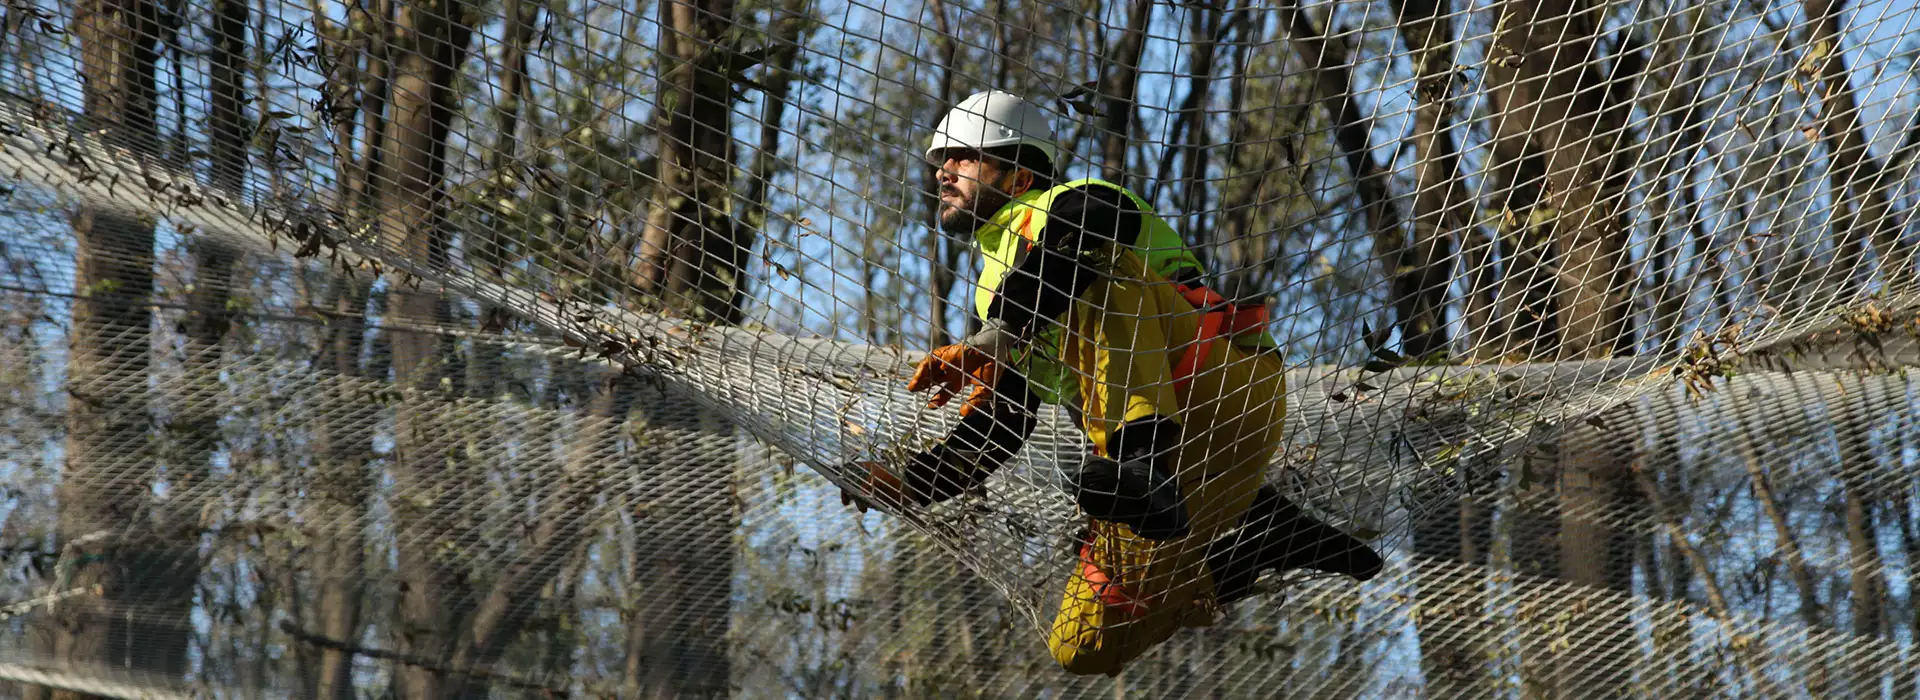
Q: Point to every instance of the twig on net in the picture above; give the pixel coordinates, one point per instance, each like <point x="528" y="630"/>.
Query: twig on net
<point x="482" y="674"/>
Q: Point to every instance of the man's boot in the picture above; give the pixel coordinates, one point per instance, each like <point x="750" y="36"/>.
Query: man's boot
<point x="1275" y="534"/>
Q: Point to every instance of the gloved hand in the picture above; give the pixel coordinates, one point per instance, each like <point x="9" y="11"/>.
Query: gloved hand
<point x="926" y="478"/>
<point x="949" y="368"/>
<point x="882" y="484"/>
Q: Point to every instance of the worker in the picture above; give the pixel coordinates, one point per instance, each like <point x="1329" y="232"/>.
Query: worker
<point x="1089" y="300"/>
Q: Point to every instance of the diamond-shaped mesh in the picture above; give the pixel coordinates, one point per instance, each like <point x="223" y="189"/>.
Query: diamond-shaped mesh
<point x="438" y="349"/>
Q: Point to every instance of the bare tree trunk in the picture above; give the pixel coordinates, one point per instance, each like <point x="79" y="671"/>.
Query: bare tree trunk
<point x="1595" y="489"/>
<point x="430" y="41"/>
<point x="1863" y="209"/>
<point x="1522" y="326"/>
<point x="1555" y="104"/>
<point x="1866" y="570"/>
<point x="564" y="622"/>
<point x="108" y="450"/>
<point x="1120" y="85"/>
<point x="1812" y="613"/>
<point x="558" y="534"/>
<point x="199" y="406"/>
<point x="1523" y="323"/>
<point x="1195" y="149"/>
<point x="1533" y="530"/>
<point x="690" y="262"/>
<point x="1591" y="479"/>
<point x="1242" y="266"/>
<point x="1680" y="74"/>
<point x="1442" y="209"/>
<point x="503" y="163"/>
<point x="226" y="116"/>
<point x="1673" y="523"/>
<point x="941" y="274"/>
<point x="337" y="503"/>
<point x="1862" y="214"/>
<point x="520" y="16"/>
<point x="376" y="16"/>
<point x="1417" y="281"/>
<point x="342" y="85"/>
<point x="1673" y="583"/>
<point x="792" y="27"/>
<point x="510" y="606"/>
<point x="1787" y="542"/>
<point x="1454" y="654"/>
<point x="683" y="536"/>
<point x="1560" y="148"/>
<point x="1907" y="683"/>
<point x="690" y="255"/>
<point x="1459" y="526"/>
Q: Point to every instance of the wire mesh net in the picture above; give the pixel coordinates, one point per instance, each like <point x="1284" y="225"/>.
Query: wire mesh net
<point x="447" y="349"/>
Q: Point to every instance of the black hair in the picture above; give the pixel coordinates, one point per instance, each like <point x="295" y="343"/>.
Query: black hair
<point x="1029" y="157"/>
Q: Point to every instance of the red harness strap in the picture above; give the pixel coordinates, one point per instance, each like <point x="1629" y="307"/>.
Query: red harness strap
<point x="1222" y="319"/>
<point x="1111" y="594"/>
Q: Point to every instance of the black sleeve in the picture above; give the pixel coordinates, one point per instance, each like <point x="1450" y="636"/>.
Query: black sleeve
<point x="1044" y="282"/>
<point x="978" y="446"/>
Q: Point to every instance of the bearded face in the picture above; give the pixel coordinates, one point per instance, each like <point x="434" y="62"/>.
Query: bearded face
<point x="972" y="188"/>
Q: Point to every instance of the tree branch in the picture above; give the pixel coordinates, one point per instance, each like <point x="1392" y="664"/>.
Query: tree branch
<point x="323" y="642"/>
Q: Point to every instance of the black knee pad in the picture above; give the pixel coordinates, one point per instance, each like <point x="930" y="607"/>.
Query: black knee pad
<point x="1136" y="493"/>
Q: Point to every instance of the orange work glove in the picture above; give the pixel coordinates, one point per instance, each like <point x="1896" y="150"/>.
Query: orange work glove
<point x="977" y="360"/>
<point x="882" y="484"/>
<point x="950" y="368"/>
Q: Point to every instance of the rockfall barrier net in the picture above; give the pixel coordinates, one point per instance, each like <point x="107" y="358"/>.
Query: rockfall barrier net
<point x="455" y="349"/>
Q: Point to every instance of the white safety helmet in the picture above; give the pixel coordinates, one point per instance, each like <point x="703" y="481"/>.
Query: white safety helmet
<point x="991" y="119"/>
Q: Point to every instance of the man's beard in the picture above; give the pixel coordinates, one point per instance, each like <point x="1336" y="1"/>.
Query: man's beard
<point x="967" y="218"/>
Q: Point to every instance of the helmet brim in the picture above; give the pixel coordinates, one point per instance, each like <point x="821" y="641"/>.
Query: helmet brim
<point x="936" y="155"/>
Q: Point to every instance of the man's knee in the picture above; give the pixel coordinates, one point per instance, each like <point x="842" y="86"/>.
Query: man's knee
<point x="1087" y="649"/>
<point x="1099" y="633"/>
<point x="1093" y="661"/>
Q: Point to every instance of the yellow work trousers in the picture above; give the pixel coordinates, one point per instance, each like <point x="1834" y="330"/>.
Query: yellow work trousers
<point x="1124" y="337"/>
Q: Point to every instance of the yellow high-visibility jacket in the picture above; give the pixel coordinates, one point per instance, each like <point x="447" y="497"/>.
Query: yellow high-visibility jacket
<point x="1021" y="222"/>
